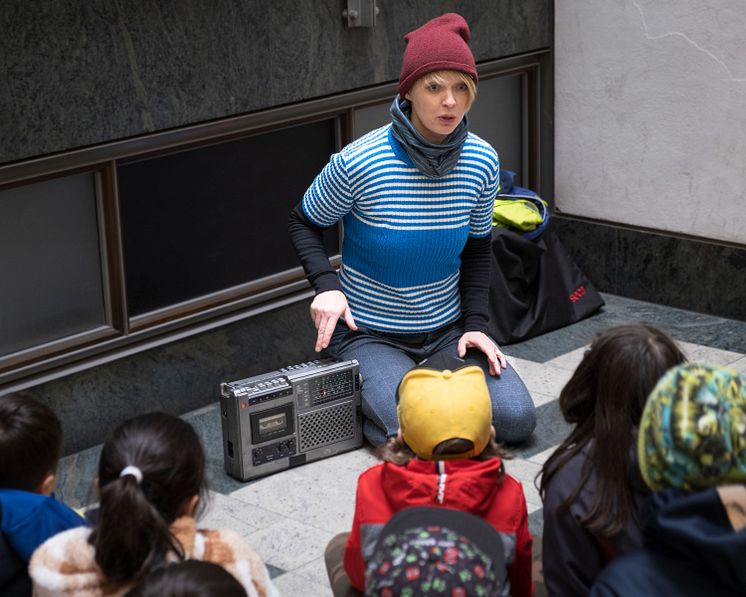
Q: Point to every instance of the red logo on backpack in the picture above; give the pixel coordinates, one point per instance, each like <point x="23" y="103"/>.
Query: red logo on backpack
<point x="578" y="294"/>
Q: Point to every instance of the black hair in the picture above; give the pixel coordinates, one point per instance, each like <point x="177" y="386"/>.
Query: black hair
<point x="190" y="578"/>
<point x="604" y="399"/>
<point x="132" y="534"/>
<point x="30" y="442"/>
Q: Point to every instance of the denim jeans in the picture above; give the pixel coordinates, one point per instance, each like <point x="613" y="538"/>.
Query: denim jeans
<point x="384" y="358"/>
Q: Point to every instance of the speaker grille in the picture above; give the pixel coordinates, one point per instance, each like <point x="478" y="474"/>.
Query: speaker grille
<point x="326" y="425"/>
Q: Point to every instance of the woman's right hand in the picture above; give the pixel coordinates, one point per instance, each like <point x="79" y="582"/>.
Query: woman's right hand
<point x="326" y="309"/>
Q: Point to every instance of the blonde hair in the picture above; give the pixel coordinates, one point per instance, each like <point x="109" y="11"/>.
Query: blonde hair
<point x="438" y="77"/>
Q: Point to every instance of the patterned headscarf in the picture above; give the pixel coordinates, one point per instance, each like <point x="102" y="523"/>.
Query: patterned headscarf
<point x="693" y="429"/>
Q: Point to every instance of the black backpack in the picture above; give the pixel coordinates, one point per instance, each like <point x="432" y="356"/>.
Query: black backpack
<point x="535" y="286"/>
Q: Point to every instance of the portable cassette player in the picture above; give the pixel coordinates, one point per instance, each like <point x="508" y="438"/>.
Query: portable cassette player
<point x="288" y="417"/>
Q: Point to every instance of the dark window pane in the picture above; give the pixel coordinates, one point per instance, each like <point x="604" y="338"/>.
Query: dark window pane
<point x="50" y="262"/>
<point x="497" y="117"/>
<point x="206" y="219"/>
<point x="371" y="117"/>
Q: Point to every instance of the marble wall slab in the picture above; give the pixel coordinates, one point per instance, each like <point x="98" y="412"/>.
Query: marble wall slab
<point x="679" y="272"/>
<point x="77" y="73"/>
<point x="650" y="127"/>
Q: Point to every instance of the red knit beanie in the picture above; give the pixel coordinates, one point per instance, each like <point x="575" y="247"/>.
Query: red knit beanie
<point x="440" y="44"/>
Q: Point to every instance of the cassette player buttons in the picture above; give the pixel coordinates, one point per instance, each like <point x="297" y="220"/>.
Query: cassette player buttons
<point x="274" y="451"/>
<point x="269" y="389"/>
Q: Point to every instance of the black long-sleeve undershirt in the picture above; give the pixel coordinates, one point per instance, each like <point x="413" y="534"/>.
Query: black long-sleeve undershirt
<point x="474" y="283"/>
<point x="309" y="245"/>
<point x="474" y="279"/>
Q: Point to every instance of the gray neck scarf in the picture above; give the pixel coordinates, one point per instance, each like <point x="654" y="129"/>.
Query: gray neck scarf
<point x="433" y="160"/>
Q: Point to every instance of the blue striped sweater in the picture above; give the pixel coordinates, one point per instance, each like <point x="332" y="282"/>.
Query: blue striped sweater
<point x="403" y="232"/>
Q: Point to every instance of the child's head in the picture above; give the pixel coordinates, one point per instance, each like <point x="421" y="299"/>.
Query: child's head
<point x="190" y="578"/>
<point x="445" y="410"/>
<point x="30" y="444"/>
<point x="609" y="388"/>
<point x="151" y="472"/>
<point x="693" y="429"/>
<point x="604" y="400"/>
<point x="422" y="550"/>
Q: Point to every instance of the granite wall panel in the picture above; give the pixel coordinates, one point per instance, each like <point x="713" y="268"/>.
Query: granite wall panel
<point x="177" y="377"/>
<point x="677" y="271"/>
<point x="79" y="73"/>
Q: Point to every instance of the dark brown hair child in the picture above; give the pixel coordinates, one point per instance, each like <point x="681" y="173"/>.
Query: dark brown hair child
<point x="590" y="485"/>
<point x="30" y="447"/>
<point x="151" y="482"/>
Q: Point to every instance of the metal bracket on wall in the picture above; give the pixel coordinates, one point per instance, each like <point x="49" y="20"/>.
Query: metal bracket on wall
<point x="360" y="13"/>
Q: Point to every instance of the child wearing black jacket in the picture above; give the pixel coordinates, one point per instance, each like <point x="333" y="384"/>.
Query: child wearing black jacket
<point x="692" y="453"/>
<point x="591" y="486"/>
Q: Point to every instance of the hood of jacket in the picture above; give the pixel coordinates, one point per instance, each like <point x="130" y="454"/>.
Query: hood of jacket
<point x="66" y="563"/>
<point x="468" y="485"/>
<point x="705" y="530"/>
<point x="28" y="519"/>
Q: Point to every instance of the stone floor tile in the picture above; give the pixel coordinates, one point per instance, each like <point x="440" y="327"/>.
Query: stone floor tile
<point x="295" y="585"/>
<point x="75" y="475"/>
<point x="321" y="494"/>
<point x="314" y="571"/>
<point x="542" y="399"/>
<point x="536" y="522"/>
<point x="289" y="544"/>
<point x="274" y="571"/>
<point x="525" y="471"/>
<point x="570" y="360"/>
<point x="551" y="430"/>
<point x="358" y="460"/>
<point x="739" y="365"/>
<point x="698" y="353"/>
<point x="226" y="512"/>
<point x="218" y="480"/>
<point x="542" y="378"/>
<point x="542" y="457"/>
<point x="532" y="507"/>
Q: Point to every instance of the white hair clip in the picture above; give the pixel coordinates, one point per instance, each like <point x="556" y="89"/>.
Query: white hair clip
<point x="132" y="470"/>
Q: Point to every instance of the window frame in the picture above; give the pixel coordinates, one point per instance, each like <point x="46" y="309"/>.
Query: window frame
<point x="124" y="334"/>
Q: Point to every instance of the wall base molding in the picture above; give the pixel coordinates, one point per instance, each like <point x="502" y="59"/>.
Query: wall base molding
<point x="684" y="272"/>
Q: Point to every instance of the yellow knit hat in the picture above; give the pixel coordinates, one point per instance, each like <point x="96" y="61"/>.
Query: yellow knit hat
<point x="436" y="405"/>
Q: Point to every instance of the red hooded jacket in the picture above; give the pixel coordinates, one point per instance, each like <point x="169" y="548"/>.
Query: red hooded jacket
<point x="468" y="485"/>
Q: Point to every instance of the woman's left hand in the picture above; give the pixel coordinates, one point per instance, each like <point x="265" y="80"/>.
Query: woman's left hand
<point x="483" y="342"/>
